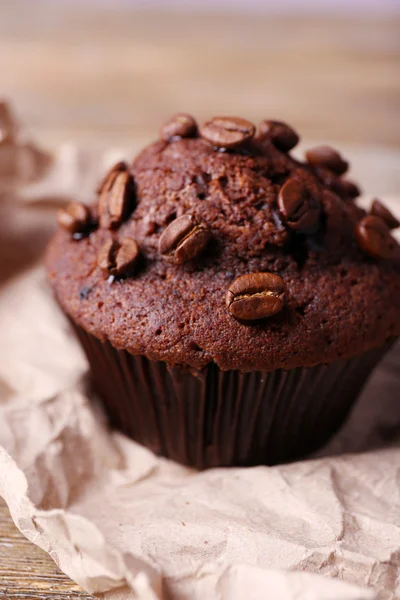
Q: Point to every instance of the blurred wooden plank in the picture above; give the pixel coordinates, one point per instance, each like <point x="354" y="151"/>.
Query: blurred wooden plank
<point x="75" y="72"/>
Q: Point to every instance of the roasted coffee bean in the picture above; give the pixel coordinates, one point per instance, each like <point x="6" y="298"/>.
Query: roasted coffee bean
<point x="298" y="208"/>
<point x="118" y="258"/>
<point x="255" y="296"/>
<point x="325" y="156"/>
<point x="109" y="178"/>
<point x="345" y="188"/>
<point x="180" y="125"/>
<point x="373" y="237"/>
<point x="75" y="218"/>
<point x="379" y="210"/>
<point x="183" y="239"/>
<point x="227" y="132"/>
<point x="127" y="256"/>
<point x="342" y="187"/>
<point x="116" y="200"/>
<point x="281" y="135"/>
<point x="105" y="258"/>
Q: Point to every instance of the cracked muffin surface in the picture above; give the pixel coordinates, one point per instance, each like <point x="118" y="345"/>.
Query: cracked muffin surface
<point x="150" y="264"/>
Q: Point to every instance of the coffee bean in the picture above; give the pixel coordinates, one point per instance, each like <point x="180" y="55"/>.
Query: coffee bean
<point x="255" y="296"/>
<point x="75" y="218"/>
<point x="227" y="132"/>
<point x="325" y="156"/>
<point x="373" y="237"/>
<point x="116" y="200"/>
<point x="109" y="178"/>
<point x="118" y="258"/>
<point x="127" y="256"/>
<point x="281" y="135"/>
<point x="105" y="257"/>
<point x="344" y="188"/>
<point x="183" y="239"/>
<point x="379" y="210"/>
<point x="180" y="125"/>
<point x="298" y="208"/>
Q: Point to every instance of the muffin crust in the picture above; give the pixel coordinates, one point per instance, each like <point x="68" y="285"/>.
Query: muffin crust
<point x="339" y="301"/>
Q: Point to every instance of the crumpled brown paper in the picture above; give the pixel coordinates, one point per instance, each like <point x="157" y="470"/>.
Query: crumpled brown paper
<point x="127" y="525"/>
<point x="112" y="514"/>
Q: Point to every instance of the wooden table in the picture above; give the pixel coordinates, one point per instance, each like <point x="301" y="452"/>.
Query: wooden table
<point x="26" y="571"/>
<point x="110" y="77"/>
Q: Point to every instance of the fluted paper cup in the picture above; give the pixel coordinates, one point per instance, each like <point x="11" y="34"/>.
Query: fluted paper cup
<point x="225" y="418"/>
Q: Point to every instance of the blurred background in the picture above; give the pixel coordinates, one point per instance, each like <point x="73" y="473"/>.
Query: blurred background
<point x="110" y="71"/>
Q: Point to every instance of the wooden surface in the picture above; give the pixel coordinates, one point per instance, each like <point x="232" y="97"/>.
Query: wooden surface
<point x="103" y="77"/>
<point x="26" y="572"/>
<point x="75" y="73"/>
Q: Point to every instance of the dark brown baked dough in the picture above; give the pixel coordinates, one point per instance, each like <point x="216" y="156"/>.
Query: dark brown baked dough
<point x="339" y="301"/>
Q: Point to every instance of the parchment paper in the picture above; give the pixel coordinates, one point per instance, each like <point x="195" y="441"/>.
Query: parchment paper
<point x="125" y="524"/>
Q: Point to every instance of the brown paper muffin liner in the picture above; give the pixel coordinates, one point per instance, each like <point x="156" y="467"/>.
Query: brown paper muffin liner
<point x="225" y="418"/>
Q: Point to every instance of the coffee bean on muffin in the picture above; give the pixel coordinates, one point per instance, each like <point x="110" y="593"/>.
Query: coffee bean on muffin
<point x="183" y="239"/>
<point x="296" y="205"/>
<point x="75" y="218"/>
<point x="118" y="258"/>
<point x="227" y="132"/>
<point x="378" y="209"/>
<point x="108" y="179"/>
<point x="373" y="237"/>
<point x="280" y="134"/>
<point x="116" y="199"/>
<point x="180" y="125"/>
<point x="255" y="296"/>
<point x="345" y="188"/>
<point x="325" y="156"/>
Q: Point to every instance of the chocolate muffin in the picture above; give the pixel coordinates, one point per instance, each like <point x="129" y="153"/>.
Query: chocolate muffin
<point x="231" y="300"/>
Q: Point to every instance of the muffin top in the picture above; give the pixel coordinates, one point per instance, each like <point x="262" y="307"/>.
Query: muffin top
<point x="215" y="245"/>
